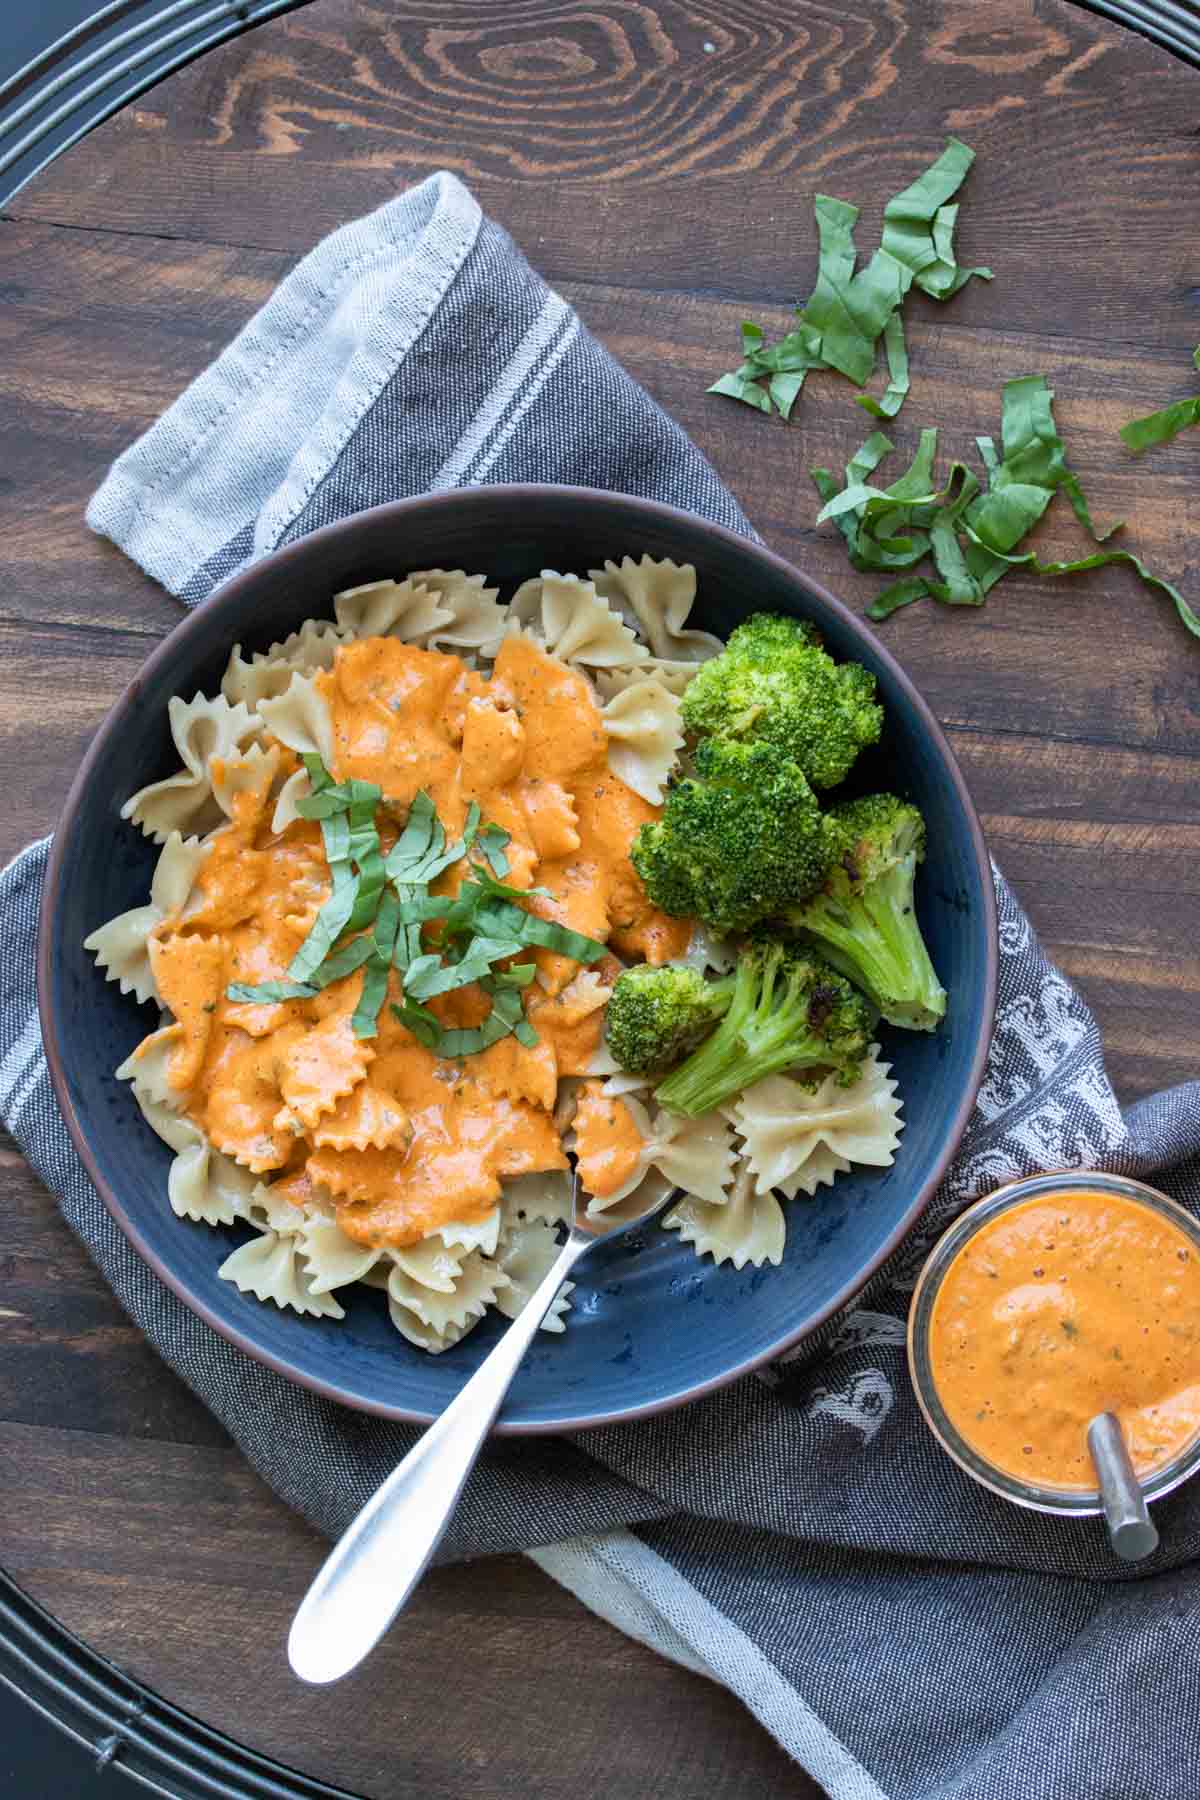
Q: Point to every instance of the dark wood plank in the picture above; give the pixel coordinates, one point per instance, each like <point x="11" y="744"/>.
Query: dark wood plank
<point x="489" y="1684"/>
<point x="667" y="149"/>
<point x="666" y="187"/>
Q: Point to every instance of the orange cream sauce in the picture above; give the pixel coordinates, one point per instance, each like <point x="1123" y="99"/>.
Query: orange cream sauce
<point x="1061" y="1308"/>
<point x="607" y="1141"/>
<point x="379" y="1131"/>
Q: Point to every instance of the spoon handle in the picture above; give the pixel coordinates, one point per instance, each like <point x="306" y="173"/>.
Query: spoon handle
<point x="374" y="1566"/>
<point x="1131" y="1530"/>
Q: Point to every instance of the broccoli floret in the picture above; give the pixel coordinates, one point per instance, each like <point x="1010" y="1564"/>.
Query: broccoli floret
<point x="741" y="840"/>
<point x="789" y="1011"/>
<point x="765" y="634"/>
<point x="656" y="1017"/>
<point x="864" y="920"/>
<point x="774" y="684"/>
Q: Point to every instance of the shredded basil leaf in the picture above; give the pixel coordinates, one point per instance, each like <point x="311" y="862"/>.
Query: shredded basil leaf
<point x="413" y="841"/>
<point x="423" y="1024"/>
<point x="364" y="1021"/>
<point x="519" y="976"/>
<point x="500" y="919"/>
<point x="840" y="324"/>
<point x="897" y="387"/>
<point x="343" y="962"/>
<point x="492" y="841"/>
<point x="267" y="992"/>
<point x="742" y="384"/>
<point x="1099" y="559"/>
<point x="329" y="924"/>
<point x="971" y="532"/>
<point x="1161" y="427"/>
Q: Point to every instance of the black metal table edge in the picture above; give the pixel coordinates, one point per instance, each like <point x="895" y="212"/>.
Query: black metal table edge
<point x="129" y="59"/>
<point x="124" y="1725"/>
<point x="112" y="1715"/>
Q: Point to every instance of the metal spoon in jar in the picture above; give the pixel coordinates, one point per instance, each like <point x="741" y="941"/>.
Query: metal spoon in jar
<point x="1131" y="1530"/>
<point x="379" y="1559"/>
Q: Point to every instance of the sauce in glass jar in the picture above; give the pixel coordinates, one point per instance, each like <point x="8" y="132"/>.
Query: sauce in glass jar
<point x="1067" y="1304"/>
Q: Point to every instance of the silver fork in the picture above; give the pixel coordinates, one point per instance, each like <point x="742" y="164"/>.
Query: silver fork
<point x="379" y="1559"/>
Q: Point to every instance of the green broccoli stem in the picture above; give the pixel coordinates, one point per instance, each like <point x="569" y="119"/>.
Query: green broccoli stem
<point x="874" y="940"/>
<point x="760" y="1035"/>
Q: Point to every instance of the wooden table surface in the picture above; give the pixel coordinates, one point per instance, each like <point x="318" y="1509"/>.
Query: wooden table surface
<point x="657" y="160"/>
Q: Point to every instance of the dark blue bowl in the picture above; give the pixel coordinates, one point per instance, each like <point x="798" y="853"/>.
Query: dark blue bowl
<point x="652" y="1326"/>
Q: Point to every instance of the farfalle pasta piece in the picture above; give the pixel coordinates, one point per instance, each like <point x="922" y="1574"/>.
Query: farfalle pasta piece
<point x="819" y="1171"/>
<point x="300" y="719"/>
<point x="202" y="730"/>
<point x="430" y="1264"/>
<point x="545" y="1196"/>
<point x="473" y="1234"/>
<point x="246" y="682"/>
<point x="707" y="951"/>
<point x="253" y="772"/>
<point x="748" y="1228"/>
<point x="645" y="737"/>
<point x="313" y="646"/>
<point x="188" y="974"/>
<point x="423" y="1336"/>
<point x="365" y="1117"/>
<point x="551" y="817"/>
<point x="614" y="1079"/>
<point x="332" y="1259"/>
<point x="243" y="1114"/>
<point x="267" y="672"/>
<point x="476" y="622"/>
<point x="660" y="594"/>
<point x="611" y="1139"/>
<point x="696" y="1155"/>
<point x="272" y="1267"/>
<point x="321" y="1065"/>
<point x="571" y="621"/>
<point x="623" y="1082"/>
<point x="297" y="787"/>
<point x="401" y="609"/>
<point x="786" y="1127"/>
<point x="436" y="1320"/>
<point x="674" y="676"/>
<point x="205" y="1186"/>
<point x="583" y="995"/>
<point x="650" y="1191"/>
<point x="202" y="1185"/>
<point x="148" y="1064"/>
<point x="284" y="1205"/>
<point x="526" y="1256"/>
<point x="517" y="1071"/>
<point x="120" y="946"/>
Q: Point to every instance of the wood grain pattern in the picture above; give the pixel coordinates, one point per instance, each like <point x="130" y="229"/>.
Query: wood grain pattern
<point x="657" y="161"/>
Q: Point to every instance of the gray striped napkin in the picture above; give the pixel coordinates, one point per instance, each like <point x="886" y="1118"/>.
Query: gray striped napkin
<point x="797" y="1537"/>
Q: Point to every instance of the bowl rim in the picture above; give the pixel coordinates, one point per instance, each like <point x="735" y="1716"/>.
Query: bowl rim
<point x="517" y="494"/>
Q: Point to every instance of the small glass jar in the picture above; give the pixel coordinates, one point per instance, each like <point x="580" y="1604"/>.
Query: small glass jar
<point x="1076" y="1502"/>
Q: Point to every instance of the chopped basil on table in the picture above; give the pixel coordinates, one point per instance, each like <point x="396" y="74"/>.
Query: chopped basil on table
<point x="1161" y="427"/>
<point x="971" y="529"/>
<point x="847" y="313"/>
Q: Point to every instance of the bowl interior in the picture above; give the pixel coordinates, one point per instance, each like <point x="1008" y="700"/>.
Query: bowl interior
<point x="651" y="1324"/>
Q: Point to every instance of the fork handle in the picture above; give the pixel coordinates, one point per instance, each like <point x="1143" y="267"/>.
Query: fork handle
<point x="374" y="1566"/>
